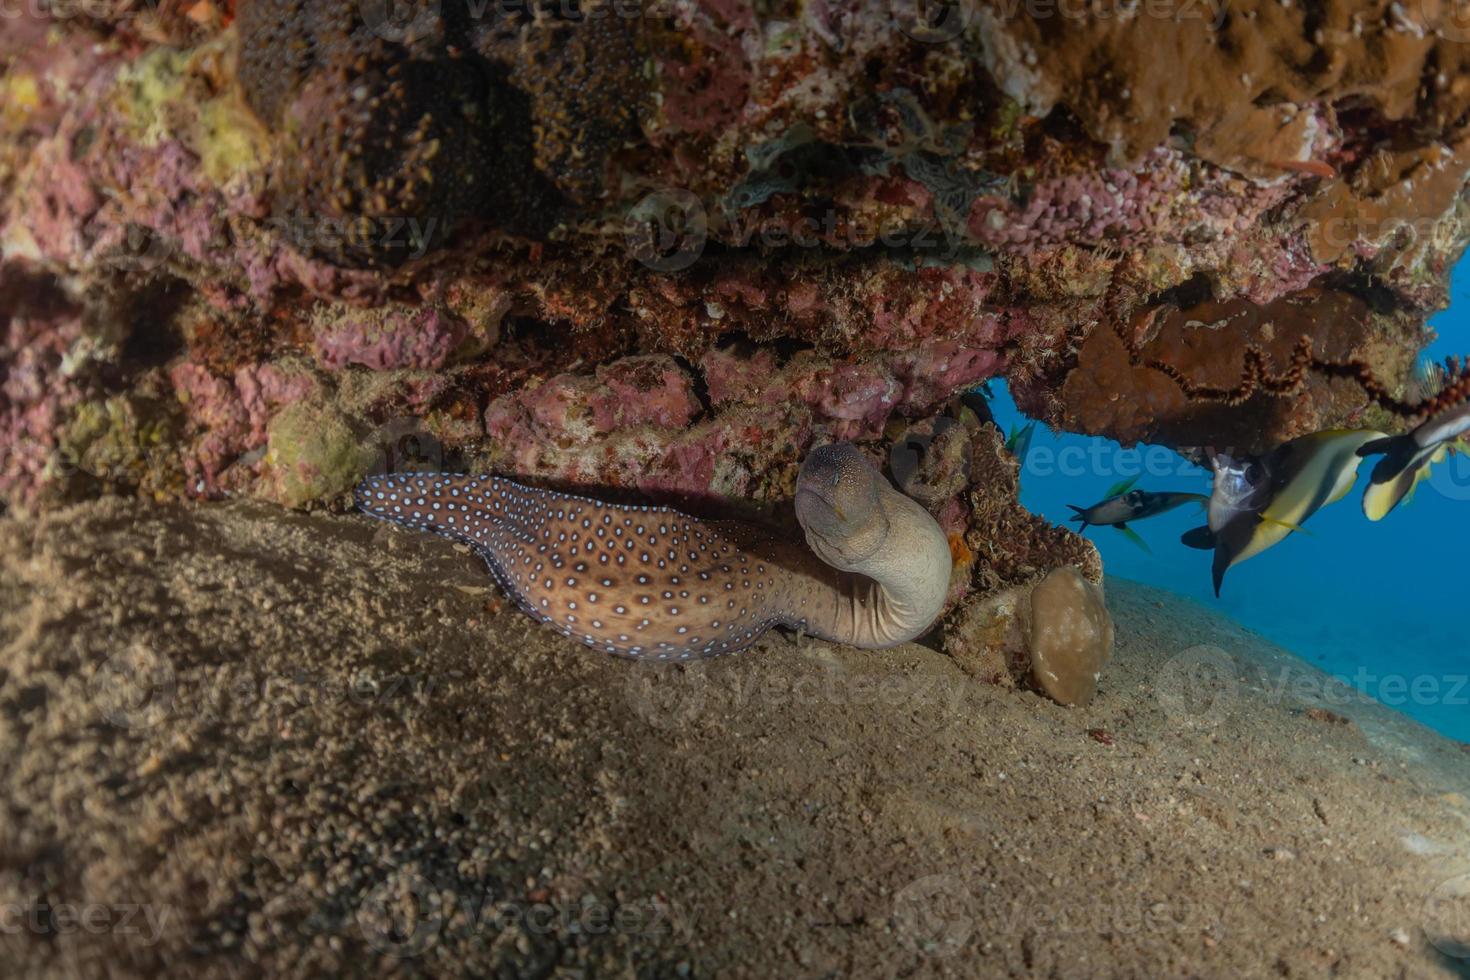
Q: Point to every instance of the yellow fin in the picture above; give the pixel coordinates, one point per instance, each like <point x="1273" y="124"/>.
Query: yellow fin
<point x="1379" y="499"/>
<point x="1133" y="536"/>
<point x="1286" y="524"/>
<point x="1442" y="454"/>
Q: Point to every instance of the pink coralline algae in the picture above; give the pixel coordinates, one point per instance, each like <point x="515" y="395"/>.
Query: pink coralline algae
<point x="98" y="197"/>
<point x="639" y="421"/>
<point x="36" y="391"/>
<point x="1118" y="206"/>
<point x="1168" y="196"/>
<point x="639" y="424"/>
<point x="862" y="307"/>
<point x="389" y="339"/>
<point x="230" y="416"/>
<point x="853" y="399"/>
<point x="937" y="302"/>
<point x="650" y="390"/>
<point x="1223" y="221"/>
<point x="639" y="391"/>
<point x="708" y="88"/>
<point x="743" y="454"/>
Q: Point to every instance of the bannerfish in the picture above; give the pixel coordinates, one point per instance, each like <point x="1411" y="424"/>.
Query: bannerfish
<point x="1242" y="489"/>
<point x="1122" y="504"/>
<point x="1408" y="457"/>
<point x="1257" y="502"/>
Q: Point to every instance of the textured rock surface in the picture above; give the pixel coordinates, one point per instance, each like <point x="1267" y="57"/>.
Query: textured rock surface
<point x="670" y="248"/>
<point x="1054" y="636"/>
<point x="1070" y="636"/>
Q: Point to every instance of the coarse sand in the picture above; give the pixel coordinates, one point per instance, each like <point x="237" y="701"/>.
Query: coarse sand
<point x="238" y="740"/>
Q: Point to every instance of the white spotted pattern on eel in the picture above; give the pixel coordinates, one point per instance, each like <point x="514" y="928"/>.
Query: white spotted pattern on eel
<point x="643" y="582"/>
<point x="651" y="582"/>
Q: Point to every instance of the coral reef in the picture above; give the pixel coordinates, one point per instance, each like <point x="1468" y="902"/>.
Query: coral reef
<point x="1206" y="342"/>
<point x="387" y="339"/>
<point x="377" y="130"/>
<point x="314" y="452"/>
<point x="1008" y="544"/>
<point x="250" y="249"/>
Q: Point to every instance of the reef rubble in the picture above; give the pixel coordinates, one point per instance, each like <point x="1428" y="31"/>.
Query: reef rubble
<point x="261" y="249"/>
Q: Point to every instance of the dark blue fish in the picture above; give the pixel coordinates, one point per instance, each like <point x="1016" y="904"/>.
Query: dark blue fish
<point x="1123" y="504"/>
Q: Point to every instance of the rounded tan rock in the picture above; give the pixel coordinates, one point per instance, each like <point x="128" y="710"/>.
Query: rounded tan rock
<point x="1070" y="635"/>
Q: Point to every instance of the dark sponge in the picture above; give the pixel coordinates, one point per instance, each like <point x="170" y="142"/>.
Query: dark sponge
<point x="587" y="92"/>
<point x="380" y="127"/>
<point x="397" y="144"/>
<point x="390" y="115"/>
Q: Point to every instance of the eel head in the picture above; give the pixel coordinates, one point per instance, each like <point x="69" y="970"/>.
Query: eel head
<point x="839" y="503"/>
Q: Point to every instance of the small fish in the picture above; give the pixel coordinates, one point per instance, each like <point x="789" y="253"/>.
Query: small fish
<point x="1122" y="504"/>
<point x="1407" y="459"/>
<point x="1018" y="443"/>
<point x="1257" y="503"/>
<point x="1241" y="487"/>
<point x="1429" y="378"/>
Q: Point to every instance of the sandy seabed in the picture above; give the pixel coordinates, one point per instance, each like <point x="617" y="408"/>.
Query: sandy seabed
<point x="238" y="740"/>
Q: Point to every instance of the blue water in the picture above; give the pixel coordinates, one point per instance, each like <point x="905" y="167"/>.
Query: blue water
<point x="1380" y="606"/>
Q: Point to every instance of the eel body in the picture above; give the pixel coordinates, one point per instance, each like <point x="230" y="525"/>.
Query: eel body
<point x="654" y="583"/>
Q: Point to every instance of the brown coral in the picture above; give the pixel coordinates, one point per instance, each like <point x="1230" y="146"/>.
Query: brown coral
<point x="587" y="96"/>
<point x="1011" y="545"/>
<point x="1203" y="373"/>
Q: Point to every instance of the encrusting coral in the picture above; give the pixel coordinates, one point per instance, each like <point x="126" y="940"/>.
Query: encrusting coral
<point x="378" y="131"/>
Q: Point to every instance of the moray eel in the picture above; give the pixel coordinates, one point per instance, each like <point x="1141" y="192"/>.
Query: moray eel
<point x="654" y="583"/>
